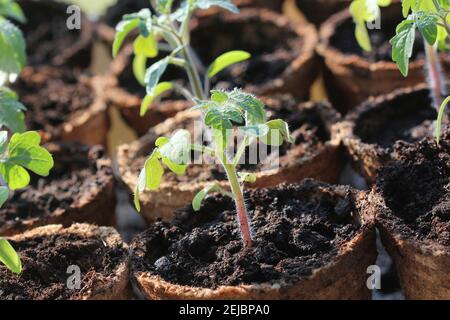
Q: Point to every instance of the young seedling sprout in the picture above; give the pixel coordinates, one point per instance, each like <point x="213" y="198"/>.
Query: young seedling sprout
<point x="224" y="111"/>
<point x="432" y="19"/>
<point x="22" y="151"/>
<point x="168" y="30"/>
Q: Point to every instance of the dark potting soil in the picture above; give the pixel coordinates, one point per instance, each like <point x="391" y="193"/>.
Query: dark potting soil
<point x="416" y="189"/>
<point x="344" y="39"/>
<point x="45" y="261"/>
<point x="75" y="172"/>
<point x="53" y="96"/>
<point x="408" y="117"/>
<point x="308" y="131"/>
<point x="272" y="48"/>
<point x="48" y="39"/>
<point x="297" y="229"/>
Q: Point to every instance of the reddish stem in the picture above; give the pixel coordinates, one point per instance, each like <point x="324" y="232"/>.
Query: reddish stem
<point x="435" y="76"/>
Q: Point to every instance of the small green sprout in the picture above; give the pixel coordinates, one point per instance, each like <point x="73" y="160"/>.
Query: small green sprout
<point x="224" y="112"/>
<point x="168" y="29"/>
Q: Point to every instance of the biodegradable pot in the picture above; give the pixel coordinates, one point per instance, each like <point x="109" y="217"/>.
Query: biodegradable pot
<point x="286" y="50"/>
<point x="106" y="27"/>
<point x="353" y="75"/>
<point x="313" y="155"/>
<point x="412" y="201"/>
<point x="370" y="132"/>
<point x="49" y="39"/>
<point x="317" y="11"/>
<point x="311" y="241"/>
<point x="50" y="255"/>
<point x="80" y="188"/>
<point x="64" y="104"/>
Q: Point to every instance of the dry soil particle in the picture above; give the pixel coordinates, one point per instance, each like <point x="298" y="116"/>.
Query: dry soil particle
<point x="46" y="259"/>
<point x="295" y="231"/>
<point x="53" y="96"/>
<point x="416" y="190"/>
<point x="78" y="172"/>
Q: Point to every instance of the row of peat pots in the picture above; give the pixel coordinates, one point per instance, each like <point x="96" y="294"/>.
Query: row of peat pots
<point x="314" y="240"/>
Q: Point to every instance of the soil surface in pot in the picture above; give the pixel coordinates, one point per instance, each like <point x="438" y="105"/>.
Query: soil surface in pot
<point x="296" y="230"/>
<point x="307" y="128"/>
<point x="273" y="48"/>
<point x="408" y="116"/>
<point x="76" y="172"/>
<point x="344" y="39"/>
<point x="416" y="189"/>
<point x="53" y="96"/>
<point x="46" y="259"/>
<point x="49" y="41"/>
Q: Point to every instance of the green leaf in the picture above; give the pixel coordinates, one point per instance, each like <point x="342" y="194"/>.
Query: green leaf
<point x="177" y="148"/>
<point x="146" y="46"/>
<point x="362" y="36"/>
<point x="225" y="60"/>
<point x="123" y="28"/>
<point x="427" y="24"/>
<point x="4" y="194"/>
<point x="164" y="6"/>
<point x="201" y="195"/>
<point x="402" y="45"/>
<point x="247" y="177"/>
<point x="24" y="152"/>
<point x="12" y="48"/>
<point x="10" y="9"/>
<point x="9" y="257"/>
<point x="224" y="4"/>
<point x="406" y="7"/>
<point x="139" y="68"/>
<point x="252" y="106"/>
<point x="154" y="74"/>
<point x="159" y="90"/>
<point x="3" y="141"/>
<point x="441" y="118"/>
<point x="11" y="111"/>
<point x="278" y="133"/>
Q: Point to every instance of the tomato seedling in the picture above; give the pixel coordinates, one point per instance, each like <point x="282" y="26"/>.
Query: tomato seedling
<point x="223" y="112"/>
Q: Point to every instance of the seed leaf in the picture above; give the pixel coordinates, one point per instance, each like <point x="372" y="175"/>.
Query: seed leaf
<point x="247" y="177"/>
<point x="202" y="194"/>
<point x="177" y="148"/>
<point x="225" y="60"/>
<point x="278" y="133"/>
<point x="12" y="48"/>
<point x="159" y="90"/>
<point x="9" y="257"/>
<point x="123" y="28"/>
<point x="440" y="119"/>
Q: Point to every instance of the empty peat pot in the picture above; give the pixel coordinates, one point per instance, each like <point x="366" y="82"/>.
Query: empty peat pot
<point x="311" y="241"/>
<point x="353" y="75"/>
<point x="80" y="188"/>
<point x="49" y="39"/>
<point x="313" y="155"/>
<point x="283" y="60"/>
<point x="52" y="254"/>
<point x="412" y="204"/>
<point x="317" y="11"/>
<point x="64" y="104"/>
<point x="370" y="132"/>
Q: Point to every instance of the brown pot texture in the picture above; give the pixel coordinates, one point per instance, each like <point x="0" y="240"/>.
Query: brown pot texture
<point x="106" y="27"/>
<point x="371" y="131"/>
<point x="64" y="104"/>
<point x="317" y="11"/>
<point x="98" y="251"/>
<point x="411" y="199"/>
<point x="49" y="41"/>
<point x="341" y="275"/>
<point x="80" y="188"/>
<point x="293" y="62"/>
<point x="314" y="155"/>
<point x="352" y="76"/>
